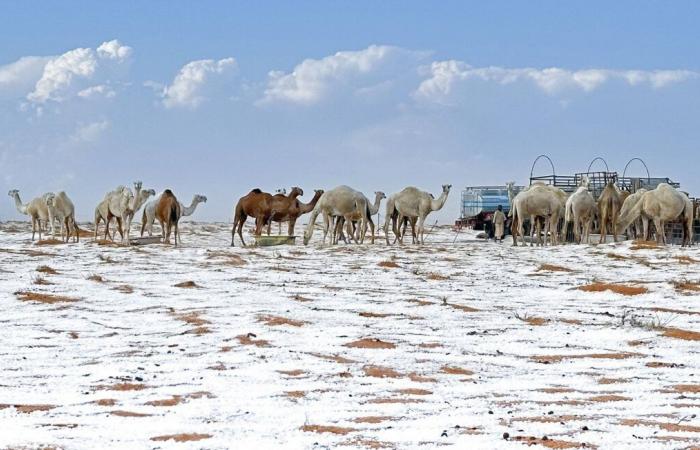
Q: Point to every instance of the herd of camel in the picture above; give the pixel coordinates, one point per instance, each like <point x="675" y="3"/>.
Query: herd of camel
<point x="347" y="213"/>
<point x="615" y="210"/>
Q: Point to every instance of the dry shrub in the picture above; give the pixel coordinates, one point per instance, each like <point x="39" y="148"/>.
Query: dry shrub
<point x="552" y="268"/>
<point x="192" y="318"/>
<point x="436" y="276"/>
<point x="106" y="402"/>
<point x="388" y="264"/>
<point x="187" y="285"/>
<point x="414" y="391"/>
<point x="300" y="298"/>
<point x="96" y="278"/>
<point x="292" y="373"/>
<point x="535" y="321"/>
<point x="687" y="286"/>
<point x="124" y="288"/>
<point x="373" y="419"/>
<point x="182" y="437"/>
<point x="370" y="343"/>
<point x="616" y="288"/>
<point x="373" y="315"/>
<point x="327" y="429"/>
<point x="413" y="376"/>
<point x="40" y="281"/>
<point x="121" y="387"/>
<point x="43" y="298"/>
<point x="47" y="270"/>
<point x="462" y="307"/>
<point x="295" y="394"/>
<point x="336" y="358"/>
<point x="247" y="339"/>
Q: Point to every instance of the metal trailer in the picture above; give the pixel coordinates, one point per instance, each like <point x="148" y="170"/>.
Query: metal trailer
<point x="599" y="179"/>
<point x="478" y="203"/>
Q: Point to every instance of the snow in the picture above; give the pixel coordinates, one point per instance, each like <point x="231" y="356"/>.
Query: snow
<point x="470" y="304"/>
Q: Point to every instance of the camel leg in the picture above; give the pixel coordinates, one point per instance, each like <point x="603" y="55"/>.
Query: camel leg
<point x="659" y="231"/>
<point x="97" y="223"/>
<point x="241" y="222"/>
<point x="577" y="231"/>
<point x="421" y="230"/>
<point x="290" y="229"/>
<point x="371" y="227"/>
<point x="33" y="227"/>
<point x="603" y="227"/>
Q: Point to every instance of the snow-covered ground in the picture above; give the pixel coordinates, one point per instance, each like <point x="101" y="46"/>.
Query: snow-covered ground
<point x="371" y="346"/>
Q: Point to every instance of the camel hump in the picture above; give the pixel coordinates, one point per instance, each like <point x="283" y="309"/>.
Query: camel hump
<point x="168" y="193"/>
<point x="256" y="191"/>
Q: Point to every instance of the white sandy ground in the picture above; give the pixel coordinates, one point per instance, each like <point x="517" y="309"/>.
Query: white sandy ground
<point x="201" y="374"/>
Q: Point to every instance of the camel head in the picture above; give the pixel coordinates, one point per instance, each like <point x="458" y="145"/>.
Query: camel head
<point x="296" y="192"/>
<point x="446" y="188"/>
<point x="13" y="193"/>
<point x="585" y="182"/>
<point x="200" y="198"/>
<point x="138" y="185"/>
<point x="380" y="195"/>
<point x="50" y="199"/>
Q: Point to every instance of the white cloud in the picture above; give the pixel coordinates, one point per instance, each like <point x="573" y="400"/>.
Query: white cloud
<point x="314" y="79"/>
<point x="444" y="75"/>
<point x="189" y="86"/>
<point x="100" y="90"/>
<point x="89" y="132"/>
<point x="66" y="75"/>
<point x="20" y="75"/>
<point x="114" y="50"/>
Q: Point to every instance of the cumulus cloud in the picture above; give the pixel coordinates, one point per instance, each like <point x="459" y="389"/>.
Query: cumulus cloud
<point x="65" y="75"/>
<point x="190" y="85"/>
<point x="98" y="91"/>
<point x="314" y="79"/>
<point x="443" y="76"/>
<point x="19" y="76"/>
<point x="89" y="132"/>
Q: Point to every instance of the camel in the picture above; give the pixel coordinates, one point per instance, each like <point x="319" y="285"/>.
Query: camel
<point x="414" y="203"/>
<point x="341" y="201"/>
<point x="255" y="204"/>
<point x="580" y="209"/>
<point x="149" y="212"/>
<point x="121" y="204"/>
<point x="36" y="209"/>
<point x="394" y="219"/>
<point x="284" y="208"/>
<point x="168" y="213"/>
<point x="609" y="205"/>
<point x="303" y="208"/>
<point x="61" y="207"/>
<point x="538" y="200"/>
<point x="372" y="209"/>
<point x="637" y="227"/>
<point x="663" y="204"/>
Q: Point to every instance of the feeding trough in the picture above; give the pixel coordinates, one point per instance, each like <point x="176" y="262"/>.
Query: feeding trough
<point x="145" y="240"/>
<point x="266" y="241"/>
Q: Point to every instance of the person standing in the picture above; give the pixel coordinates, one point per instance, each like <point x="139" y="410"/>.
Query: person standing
<point x="499" y="222"/>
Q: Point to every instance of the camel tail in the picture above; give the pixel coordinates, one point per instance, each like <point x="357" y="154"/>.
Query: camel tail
<point x="569" y="213"/>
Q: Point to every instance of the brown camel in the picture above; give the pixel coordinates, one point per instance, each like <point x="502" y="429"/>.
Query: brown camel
<point x="303" y="208"/>
<point x="255" y="204"/>
<point x="283" y="207"/>
<point x="609" y="204"/>
<point x="168" y="215"/>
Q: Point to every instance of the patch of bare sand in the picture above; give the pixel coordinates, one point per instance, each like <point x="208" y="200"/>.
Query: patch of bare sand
<point x="336" y="358"/>
<point x="678" y="333"/>
<point x="546" y="359"/>
<point x="27" y="409"/>
<point x="551" y="443"/>
<point x="122" y="413"/>
<point x="47" y="270"/>
<point x="292" y="373"/>
<point x="381" y="372"/>
<point x="452" y="370"/>
<point x="372" y="419"/>
<point x="370" y="343"/>
<point x="124" y="386"/>
<point x="553" y="268"/>
<point x="616" y="288"/>
<point x="277" y="320"/>
<point x="327" y="429"/>
<point x="43" y="298"/>
<point x="608" y="398"/>
<point x="674" y="427"/>
<point x="182" y="437"/>
<point x="187" y="285"/>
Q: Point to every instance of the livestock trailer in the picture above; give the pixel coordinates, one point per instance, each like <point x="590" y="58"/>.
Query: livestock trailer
<point x="478" y="203"/>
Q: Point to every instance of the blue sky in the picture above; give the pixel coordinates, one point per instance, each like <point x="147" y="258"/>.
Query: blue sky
<point x="220" y="97"/>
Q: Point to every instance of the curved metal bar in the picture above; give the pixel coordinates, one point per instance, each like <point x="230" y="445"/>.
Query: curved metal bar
<point x="607" y="169"/>
<point x="643" y="163"/>
<point x="532" y="169"/>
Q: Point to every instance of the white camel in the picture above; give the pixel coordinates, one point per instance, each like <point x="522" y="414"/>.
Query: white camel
<point x="663" y="204"/>
<point x="372" y="209"/>
<point x="36" y="209"/>
<point x="121" y="204"/>
<point x="580" y="209"/>
<point x="413" y="203"/>
<point x="61" y="208"/>
<point x="636" y="229"/>
<point x="341" y="201"/>
<point x="149" y="211"/>
<point x="538" y="200"/>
